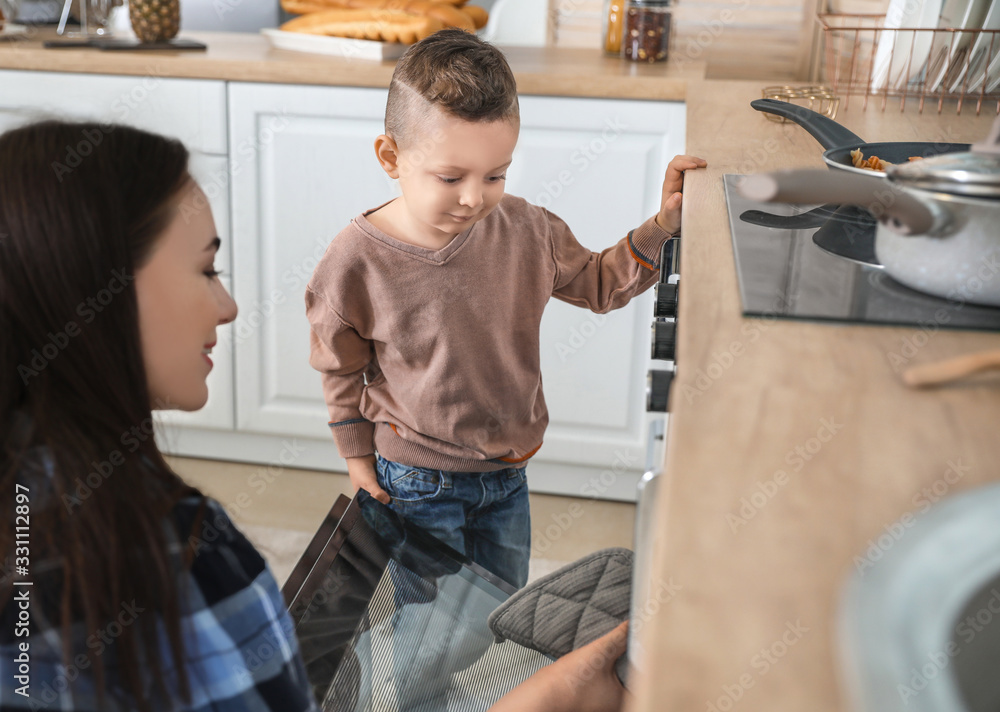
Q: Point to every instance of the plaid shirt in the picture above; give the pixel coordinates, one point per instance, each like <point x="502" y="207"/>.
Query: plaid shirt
<point x="239" y="642"/>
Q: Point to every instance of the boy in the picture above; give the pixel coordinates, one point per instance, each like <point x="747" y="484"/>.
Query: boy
<point x="425" y="311"/>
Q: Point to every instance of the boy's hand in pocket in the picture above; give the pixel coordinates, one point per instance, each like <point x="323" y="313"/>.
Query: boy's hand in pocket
<point x="361" y="470"/>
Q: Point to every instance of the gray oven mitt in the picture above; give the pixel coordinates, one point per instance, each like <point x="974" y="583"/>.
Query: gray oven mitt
<point x="570" y="607"/>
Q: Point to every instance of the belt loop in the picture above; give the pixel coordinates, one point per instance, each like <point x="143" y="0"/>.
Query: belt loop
<point x="445" y="479"/>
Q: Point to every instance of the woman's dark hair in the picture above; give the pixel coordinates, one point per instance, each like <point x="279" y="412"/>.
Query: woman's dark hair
<point x="81" y="207"/>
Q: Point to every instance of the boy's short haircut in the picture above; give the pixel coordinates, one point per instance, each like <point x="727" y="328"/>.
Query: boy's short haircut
<point x="456" y="71"/>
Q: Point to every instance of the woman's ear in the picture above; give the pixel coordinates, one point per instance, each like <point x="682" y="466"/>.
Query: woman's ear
<point x="388" y="155"/>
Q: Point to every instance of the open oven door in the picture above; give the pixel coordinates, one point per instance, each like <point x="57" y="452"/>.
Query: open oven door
<point x="389" y="618"/>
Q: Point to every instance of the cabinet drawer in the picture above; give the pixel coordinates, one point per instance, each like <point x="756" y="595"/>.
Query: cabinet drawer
<point x="191" y="110"/>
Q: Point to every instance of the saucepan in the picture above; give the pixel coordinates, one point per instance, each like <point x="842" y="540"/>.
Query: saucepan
<point x="840" y="141"/>
<point x="939" y="218"/>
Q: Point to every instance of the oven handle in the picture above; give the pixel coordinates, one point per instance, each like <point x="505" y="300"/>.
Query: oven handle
<point x="646" y="495"/>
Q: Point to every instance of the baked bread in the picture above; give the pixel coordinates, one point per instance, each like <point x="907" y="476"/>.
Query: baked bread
<point x="304" y="7"/>
<point x="479" y="16"/>
<point x="450" y="15"/>
<point x="447" y="13"/>
<point x="379" y="25"/>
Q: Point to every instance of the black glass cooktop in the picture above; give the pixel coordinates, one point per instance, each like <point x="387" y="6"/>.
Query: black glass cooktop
<point x="819" y="264"/>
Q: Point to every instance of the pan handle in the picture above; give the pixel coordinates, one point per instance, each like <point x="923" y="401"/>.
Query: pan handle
<point x="817" y="217"/>
<point x="895" y="207"/>
<point x="828" y="132"/>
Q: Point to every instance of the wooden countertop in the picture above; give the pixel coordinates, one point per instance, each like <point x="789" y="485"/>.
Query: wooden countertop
<point x="250" y="58"/>
<point x="751" y="625"/>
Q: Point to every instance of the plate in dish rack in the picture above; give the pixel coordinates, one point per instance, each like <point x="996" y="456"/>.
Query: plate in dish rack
<point x="336" y="46"/>
<point x="988" y="46"/>
<point x="975" y="64"/>
<point x="949" y="49"/>
<point x="901" y="56"/>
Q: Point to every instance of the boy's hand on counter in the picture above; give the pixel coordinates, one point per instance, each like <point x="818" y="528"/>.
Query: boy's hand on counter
<point x="361" y="470"/>
<point x="669" y="217"/>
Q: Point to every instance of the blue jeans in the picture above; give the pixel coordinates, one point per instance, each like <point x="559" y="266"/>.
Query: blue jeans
<point x="483" y="515"/>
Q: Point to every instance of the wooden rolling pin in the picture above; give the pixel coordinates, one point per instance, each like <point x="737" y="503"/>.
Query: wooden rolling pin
<point x="952" y="369"/>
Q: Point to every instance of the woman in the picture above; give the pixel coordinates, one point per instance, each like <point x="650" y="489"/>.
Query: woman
<point x="109" y="304"/>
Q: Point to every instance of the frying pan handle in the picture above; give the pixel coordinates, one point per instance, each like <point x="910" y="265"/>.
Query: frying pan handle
<point x="817" y="217"/>
<point x="828" y="132"/>
<point x="894" y="207"/>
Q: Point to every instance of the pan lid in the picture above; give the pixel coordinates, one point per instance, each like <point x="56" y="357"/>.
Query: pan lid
<point x="975" y="173"/>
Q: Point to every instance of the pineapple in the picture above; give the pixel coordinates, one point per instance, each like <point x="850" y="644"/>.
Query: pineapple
<point x="155" y="20"/>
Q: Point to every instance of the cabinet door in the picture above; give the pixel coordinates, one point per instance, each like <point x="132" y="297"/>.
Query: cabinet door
<point x="192" y="110"/>
<point x="165" y="106"/>
<point x="304" y="165"/>
<point x="599" y="165"/>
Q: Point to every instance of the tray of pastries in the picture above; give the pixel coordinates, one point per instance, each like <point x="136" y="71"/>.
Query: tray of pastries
<point x="369" y="29"/>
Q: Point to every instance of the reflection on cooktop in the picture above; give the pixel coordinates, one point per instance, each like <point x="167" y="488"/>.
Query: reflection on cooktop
<point x="819" y="264"/>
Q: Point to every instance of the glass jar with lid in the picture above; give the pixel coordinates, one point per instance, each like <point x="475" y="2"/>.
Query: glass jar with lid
<point x="646" y="35"/>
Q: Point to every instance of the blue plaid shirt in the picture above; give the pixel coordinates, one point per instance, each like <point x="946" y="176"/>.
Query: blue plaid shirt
<point x="240" y="648"/>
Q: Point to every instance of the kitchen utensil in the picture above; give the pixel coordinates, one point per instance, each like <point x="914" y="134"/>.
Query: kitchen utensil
<point x="952" y="369"/>
<point x="938" y="217"/>
<point x="840" y="141"/>
<point x="818" y="98"/>
<point x="844" y="230"/>
<point x="850" y="234"/>
<point x="800" y="221"/>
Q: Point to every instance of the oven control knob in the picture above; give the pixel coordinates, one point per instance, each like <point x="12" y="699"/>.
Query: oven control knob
<point x="658" y="390"/>
<point x="664" y="339"/>
<point x="670" y="258"/>
<point x="666" y="299"/>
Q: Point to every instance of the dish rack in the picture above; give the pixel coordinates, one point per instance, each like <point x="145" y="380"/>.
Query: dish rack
<point x="863" y="58"/>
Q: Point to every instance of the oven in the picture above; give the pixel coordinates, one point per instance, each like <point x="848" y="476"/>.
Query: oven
<point x="663" y="335"/>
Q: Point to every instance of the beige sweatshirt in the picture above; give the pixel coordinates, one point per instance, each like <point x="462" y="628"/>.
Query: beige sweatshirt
<point x="432" y="357"/>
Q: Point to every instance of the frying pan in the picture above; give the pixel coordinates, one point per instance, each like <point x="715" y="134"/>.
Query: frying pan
<point x="840" y="141"/>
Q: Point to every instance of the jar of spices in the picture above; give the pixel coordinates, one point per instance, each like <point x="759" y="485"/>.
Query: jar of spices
<point x="647" y="30"/>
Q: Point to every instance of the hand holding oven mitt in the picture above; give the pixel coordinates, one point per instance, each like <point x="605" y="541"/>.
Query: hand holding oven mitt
<point x="571" y="607"/>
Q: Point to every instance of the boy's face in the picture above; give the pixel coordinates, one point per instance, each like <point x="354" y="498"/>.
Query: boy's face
<point x="451" y="173"/>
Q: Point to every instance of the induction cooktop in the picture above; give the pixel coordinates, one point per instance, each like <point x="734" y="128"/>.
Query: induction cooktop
<point x="819" y="264"/>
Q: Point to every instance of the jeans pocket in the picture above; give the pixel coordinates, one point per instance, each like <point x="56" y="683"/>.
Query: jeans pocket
<point x="517" y="473"/>
<point x="511" y="481"/>
<point x="411" y="484"/>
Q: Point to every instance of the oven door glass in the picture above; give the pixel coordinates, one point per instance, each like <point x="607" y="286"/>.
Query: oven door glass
<point x="389" y="618"/>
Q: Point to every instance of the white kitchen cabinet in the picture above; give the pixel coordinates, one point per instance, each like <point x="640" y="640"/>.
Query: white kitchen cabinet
<point x="165" y="106"/>
<point x="193" y="110"/>
<point x="303" y="165"/>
